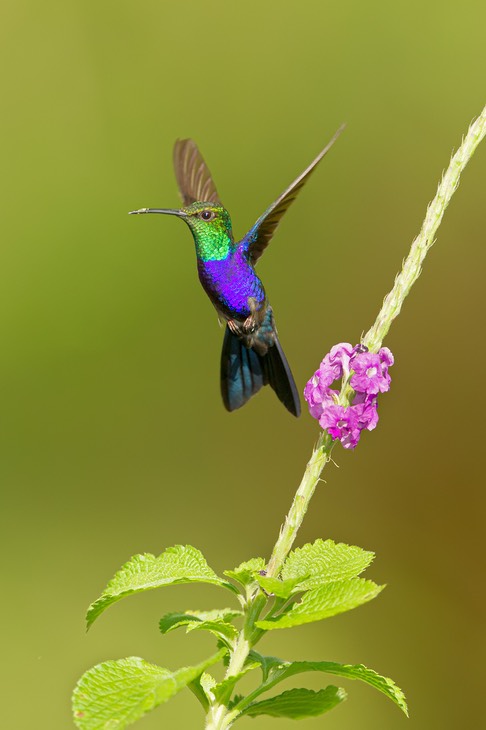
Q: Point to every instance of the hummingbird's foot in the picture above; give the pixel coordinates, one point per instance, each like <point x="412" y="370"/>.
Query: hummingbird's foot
<point x="234" y="327"/>
<point x="242" y="329"/>
<point x="250" y="324"/>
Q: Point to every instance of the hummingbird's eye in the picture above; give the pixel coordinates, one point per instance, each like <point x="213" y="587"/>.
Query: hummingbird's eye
<point x="206" y="215"/>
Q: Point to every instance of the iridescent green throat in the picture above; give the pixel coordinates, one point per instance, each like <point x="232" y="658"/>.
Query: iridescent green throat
<point x="214" y="238"/>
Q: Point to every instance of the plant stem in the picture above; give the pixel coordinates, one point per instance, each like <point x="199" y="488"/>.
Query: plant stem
<point x="373" y="339"/>
<point x="320" y="456"/>
<point x="219" y="717"/>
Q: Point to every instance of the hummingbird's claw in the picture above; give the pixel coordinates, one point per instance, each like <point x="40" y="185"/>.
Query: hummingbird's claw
<point x="250" y="325"/>
<point x="234" y="327"/>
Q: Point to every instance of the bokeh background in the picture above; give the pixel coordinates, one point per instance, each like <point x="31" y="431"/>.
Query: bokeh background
<point x="113" y="436"/>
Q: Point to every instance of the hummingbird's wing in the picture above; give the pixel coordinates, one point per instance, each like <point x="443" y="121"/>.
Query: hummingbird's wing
<point x="259" y="236"/>
<point x="192" y="174"/>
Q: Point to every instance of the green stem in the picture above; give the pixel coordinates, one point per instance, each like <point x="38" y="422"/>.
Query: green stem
<point x="219" y="717"/>
<point x="373" y="339"/>
<point x="320" y="456"/>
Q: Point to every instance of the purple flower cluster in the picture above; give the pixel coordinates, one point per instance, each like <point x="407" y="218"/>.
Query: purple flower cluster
<point x="369" y="377"/>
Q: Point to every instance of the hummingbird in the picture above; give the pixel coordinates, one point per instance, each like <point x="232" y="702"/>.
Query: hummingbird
<point x="252" y="355"/>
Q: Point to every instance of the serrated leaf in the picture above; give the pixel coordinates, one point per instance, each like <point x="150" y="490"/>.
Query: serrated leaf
<point x="226" y="685"/>
<point x="115" y="694"/>
<point x="279" y="588"/>
<point x="178" y="564"/>
<point x="320" y="603"/>
<point x="219" y="628"/>
<point x="298" y="703"/>
<point x="234" y="701"/>
<point x="278" y="672"/>
<point x="245" y="572"/>
<point x="172" y="621"/>
<point x="266" y="662"/>
<point x="208" y="683"/>
<point x="325" y="561"/>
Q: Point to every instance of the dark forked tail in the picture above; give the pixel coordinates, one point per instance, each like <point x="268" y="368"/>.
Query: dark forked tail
<point x="244" y="372"/>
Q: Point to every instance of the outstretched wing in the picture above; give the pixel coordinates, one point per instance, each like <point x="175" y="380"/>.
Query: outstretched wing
<point x="260" y="235"/>
<point x="192" y="174"/>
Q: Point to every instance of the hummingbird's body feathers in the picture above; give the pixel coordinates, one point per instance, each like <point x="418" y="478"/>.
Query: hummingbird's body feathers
<point x="192" y="174"/>
<point x="252" y="355"/>
<point x="230" y="283"/>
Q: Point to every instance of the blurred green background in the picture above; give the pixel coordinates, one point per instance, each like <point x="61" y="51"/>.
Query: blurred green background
<point x="114" y="438"/>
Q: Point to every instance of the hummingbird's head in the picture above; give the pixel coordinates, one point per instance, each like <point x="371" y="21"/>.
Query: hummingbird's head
<point x="207" y="219"/>
<point x="210" y="224"/>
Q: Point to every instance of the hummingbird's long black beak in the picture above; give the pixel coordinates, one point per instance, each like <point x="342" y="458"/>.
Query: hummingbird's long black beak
<point x="167" y="211"/>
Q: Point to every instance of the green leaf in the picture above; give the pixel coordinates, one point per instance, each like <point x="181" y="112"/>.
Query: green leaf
<point x="298" y="703"/>
<point x="115" y="694"/>
<point x="277" y="587"/>
<point x="199" y="692"/>
<point x="207" y="682"/>
<point x="266" y="662"/>
<point x="325" y="561"/>
<point x="172" y="621"/>
<point x="219" y="628"/>
<point x="179" y="564"/>
<point x="245" y="573"/>
<point x="234" y="701"/>
<point x="278" y="672"/>
<point x="323" y="602"/>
